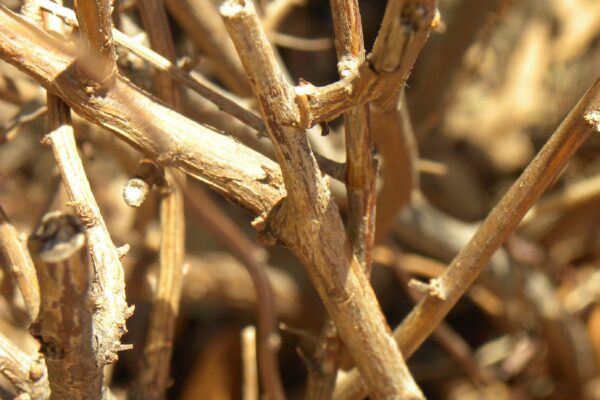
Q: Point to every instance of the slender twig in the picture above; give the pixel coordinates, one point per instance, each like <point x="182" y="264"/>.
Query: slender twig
<point x="95" y="25"/>
<point x="18" y="259"/>
<point x="64" y="326"/>
<point x="299" y="43"/>
<point x="28" y="113"/>
<point x="200" y="19"/>
<point x="154" y="378"/>
<point x="494" y="230"/>
<point x="318" y="238"/>
<point x="220" y="225"/>
<point x="27" y="374"/>
<point x="393" y="133"/>
<point x="567" y="199"/>
<point x="275" y="12"/>
<point x="250" y="388"/>
<point x="448" y="339"/>
<point x="108" y="286"/>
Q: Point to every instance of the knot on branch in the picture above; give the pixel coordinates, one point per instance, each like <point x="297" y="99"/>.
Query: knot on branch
<point x="270" y="225"/>
<point x="302" y="91"/>
<point x="592" y="118"/>
<point x="434" y="288"/>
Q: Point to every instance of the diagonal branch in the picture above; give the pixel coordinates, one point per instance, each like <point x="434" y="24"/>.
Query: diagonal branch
<point x="240" y="174"/>
<point x="492" y="233"/>
<point x="19" y="262"/>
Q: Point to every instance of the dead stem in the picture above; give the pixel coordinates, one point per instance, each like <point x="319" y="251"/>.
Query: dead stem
<point x="155" y="376"/>
<point x="244" y="176"/>
<point x="318" y="238"/>
<point x="200" y="19"/>
<point x="382" y="75"/>
<point x="393" y="133"/>
<point x="95" y="26"/>
<point x="18" y="260"/>
<point x="360" y="179"/>
<point x="65" y="326"/>
<point x="202" y="87"/>
<point x="26" y="373"/>
<point x="220" y="225"/>
<point x="494" y="230"/>
<point x="108" y="286"/>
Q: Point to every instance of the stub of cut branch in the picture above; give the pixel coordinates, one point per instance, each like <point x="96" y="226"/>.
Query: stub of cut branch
<point x="18" y="260"/>
<point x="492" y="233"/>
<point x="64" y="326"/>
<point x="137" y="188"/>
<point x="108" y="285"/>
<point x="318" y="238"/>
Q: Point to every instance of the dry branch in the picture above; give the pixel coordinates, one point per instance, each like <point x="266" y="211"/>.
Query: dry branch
<point x="27" y="374"/>
<point x="492" y="233"/>
<point x="108" y="286"/>
<point x="242" y="175"/>
<point x="381" y="77"/>
<point x="200" y="19"/>
<point x="318" y="238"/>
<point x="18" y="260"/>
<point x="65" y="327"/>
<point x="95" y="25"/>
<point x="155" y="375"/>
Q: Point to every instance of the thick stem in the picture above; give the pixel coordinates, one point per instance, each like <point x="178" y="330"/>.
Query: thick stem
<point x="64" y="326"/>
<point x="318" y="237"/>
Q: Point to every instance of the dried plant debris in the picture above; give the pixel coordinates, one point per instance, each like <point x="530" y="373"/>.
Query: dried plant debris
<point x="292" y="199"/>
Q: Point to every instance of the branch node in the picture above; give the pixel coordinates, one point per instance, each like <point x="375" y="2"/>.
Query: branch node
<point x="123" y="250"/>
<point x="305" y="117"/>
<point x="592" y="118"/>
<point x="434" y="288"/>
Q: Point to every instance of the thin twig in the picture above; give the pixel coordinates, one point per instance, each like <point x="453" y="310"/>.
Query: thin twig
<point x="494" y="230"/>
<point x="250" y="387"/>
<point x="28" y="113"/>
<point x="220" y="225"/>
<point x="27" y="374"/>
<point x="64" y="326"/>
<point x="393" y="133"/>
<point x="318" y="238"/>
<point x="18" y="259"/>
<point x="200" y="19"/>
<point x="154" y="378"/>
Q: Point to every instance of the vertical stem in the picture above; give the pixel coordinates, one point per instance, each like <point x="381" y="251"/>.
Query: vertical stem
<point x="64" y="326"/>
<point x="95" y="25"/>
<point x="250" y="388"/>
<point x="361" y="176"/>
<point x="154" y="378"/>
